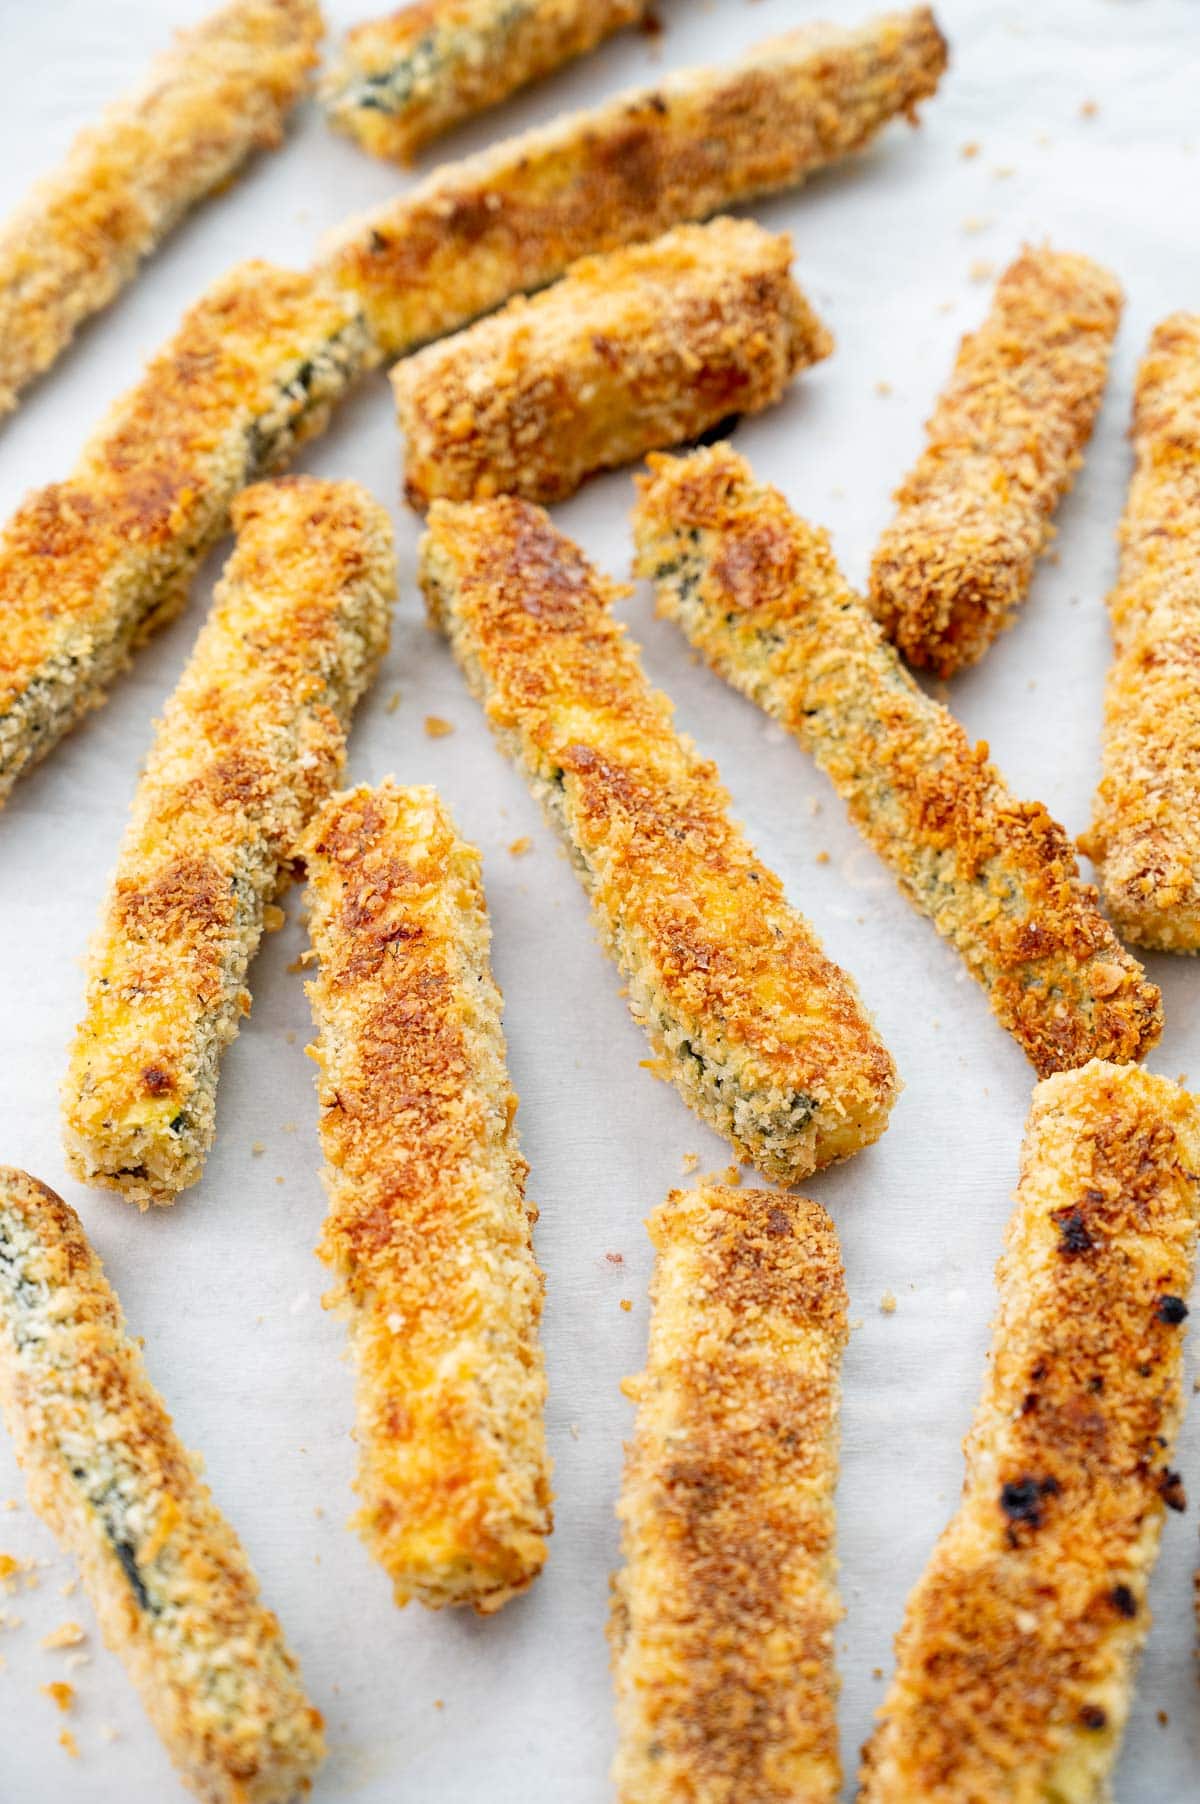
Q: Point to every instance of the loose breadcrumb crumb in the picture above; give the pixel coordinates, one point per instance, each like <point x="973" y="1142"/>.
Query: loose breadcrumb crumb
<point x="436" y="727"/>
<point x="68" y="1634"/>
<point x="60" y="1694"/>
<point x="519" y="847"/>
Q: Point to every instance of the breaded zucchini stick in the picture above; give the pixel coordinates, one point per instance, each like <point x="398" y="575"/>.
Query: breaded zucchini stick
<point x="758" y="593"/>
<point x="1145" y="837"/>
<point x="1015" y="1663"/>
<point x="91" y="566"/>
<point x="220" y="92"/>
<point x="631" y="350"/>
<point x="251" y="743"/>
<point x="404" y="79"/>
<point x="517" y="215"/>
<point x="1003" y="445"/>
<point x="166" y="1575"/>
<point x="428" y="1228"/>
<point x="724" y="1616"/>
<point x="759" y="1031"/>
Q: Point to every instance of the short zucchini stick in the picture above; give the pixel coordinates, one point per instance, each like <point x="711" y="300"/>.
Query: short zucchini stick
<point x="400" y="81"/>
<point x="724" y="1616"/>
<point x="428" y="1228"/>
<point x="91" y="566"/>
<point x="632" y="350"/>
<point x="1003" y="446"/>
<point x="758" y="593"/>
<point x="221" y="92"/>
<point x="166" y="1575"/>
<point x="1016" y="1660"/>
<point x="251" y="743"/>
<point x="514" y="217"/>
<point x="1145" y="837"/>
<point x="759" y="1031"/>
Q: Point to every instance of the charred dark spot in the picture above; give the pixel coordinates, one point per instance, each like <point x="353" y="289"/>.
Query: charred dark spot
<point x="128" y="1559"/>
<point x="777" y="1222"/>
<point x="1123" y="1600"/>
<point x="1093" y="1717"/>
<point x="377" y="242"/>
<point x="156" y="1080"/>
<point x="1095" y="1385"/>
<point x="656" y="103"/>
<point x="1171" y="1310"/>
<point x="1170" y="1489"/>
<point x="1029" y="1403"/>
<point x="1074" y="1237"/>
<point x="178" y="1122"/>
<point x="1021" y="1499"/>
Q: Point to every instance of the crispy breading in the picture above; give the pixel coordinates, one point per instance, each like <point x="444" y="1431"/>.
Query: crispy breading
<point x="219" y="93"/>
<point x="517" y="215"/>
<point x="1002" y="448"/>
<point x="1145" y="836"/>
<point x="168" y="1579"/>
<point x="428" y="1228"/>
<point x="759" y="1031"/>
<point x="631" y="350"/>
<point x="1015" y="1663"/>
<point x="758" y="593"/>
<point x="89" y="567"/>
<point x="399" y="81"/>
<point x="723" y="1618"/>
<point x="251" y="743"/>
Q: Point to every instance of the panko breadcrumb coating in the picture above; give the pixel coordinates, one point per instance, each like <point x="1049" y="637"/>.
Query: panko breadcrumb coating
<point x="219" y="93"/>
<point x="428" y="1228"/>
<point x="168" y="1579"/>
<point x="514" y="217"/>
<point x="758" y="593"/>
<point x="724" y="1615"/>
<point x="1003" y="446"/>
<point x="1015" y="1664"/>
<point x="759" y="1031"/>
<point x="631" y="350"/>
<point x="251" y="743"/>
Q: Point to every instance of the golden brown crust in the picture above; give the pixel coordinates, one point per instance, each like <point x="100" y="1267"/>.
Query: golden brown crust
<point x="724" y="1615"/>
<point x="428" y="1229"/>
<point x="167" y="1576"/>
<point x="1003" y="445"/>
<point x="632" y="350"/>
<point x="758" y="593"/>
<point x="763" y="1035"/>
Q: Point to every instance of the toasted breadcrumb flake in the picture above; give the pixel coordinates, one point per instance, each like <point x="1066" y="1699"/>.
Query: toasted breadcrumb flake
<point x="68" y="1634"/>
<point x="61" y="1695"/>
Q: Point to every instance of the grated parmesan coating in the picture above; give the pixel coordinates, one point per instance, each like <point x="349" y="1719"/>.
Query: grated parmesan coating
<point x="632" y="350"/>
<point x="1002" y="448"/>
<point x="91" y="566"/>
<point x="167" y="1577"/>
<point x="219" y="93"/>
<point x="1015" y="1664"/>
<point x="251" y="743"/>
<point x="723" y="1618"/>
<point x="759" y="1031"/>
<point x="758" y="593"/>
<point x="428" y="1228"/>
<point x="399" y="81"/>
<point x="515" y="216"/>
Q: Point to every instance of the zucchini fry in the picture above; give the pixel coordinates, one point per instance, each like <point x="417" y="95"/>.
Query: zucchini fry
<point x="251" y="743"/>
<point x="1016" y="1660"/>
<point x="167" y="1577"/>
<point x="428" y="1228"/>
<point x="404" y="79"/>
<point x="91" y="566"/>
<point x="631" y="350"/>
<point x="758" y="593"/>
<point x="516" y="216"/>
<point x="1003" y="446"/>
<point x="221" y="92"/>
<point x="723" y="1619"/>
<point x="759" y="1031"/>
<point x="1145" y="836"/>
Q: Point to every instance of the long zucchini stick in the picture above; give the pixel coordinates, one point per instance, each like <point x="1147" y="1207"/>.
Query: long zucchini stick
<point x="428" y="1228"/>
<point x="166" y="1575"/>
<point x="221" y="92"/>
<point x="514" y="217"/>
<point x="759" y="1031"/>
<point x="758" y="593"/>
<point x="1015" y="1664"/>
<point x="399" y="81"/>
<point x="724" y="1616"/>
<point x="251" y="743"/>
<point x="91" y="566"/>
<point x="631" y="350"/>
<point x="1003" y="445"/>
